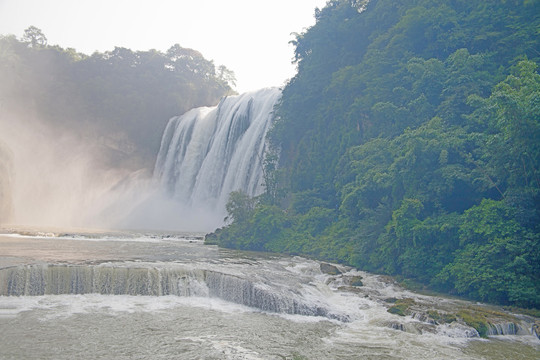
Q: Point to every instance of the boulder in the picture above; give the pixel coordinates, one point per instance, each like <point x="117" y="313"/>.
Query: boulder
<point x="330" y="269"/>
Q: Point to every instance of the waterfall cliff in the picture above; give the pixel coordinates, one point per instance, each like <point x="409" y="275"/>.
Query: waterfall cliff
<point x="211" y="151"/>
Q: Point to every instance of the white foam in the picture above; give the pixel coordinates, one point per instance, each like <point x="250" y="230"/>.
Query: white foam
<point x="228" y="349"/>
<point x="64" y="306"/>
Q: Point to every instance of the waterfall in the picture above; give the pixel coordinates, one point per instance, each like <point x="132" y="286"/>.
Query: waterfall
<point x="209" y="152"/>
<point x="111" y="279"/>
<point x="205" y="154"/>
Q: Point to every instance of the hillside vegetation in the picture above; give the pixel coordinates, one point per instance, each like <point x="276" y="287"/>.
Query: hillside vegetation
<point x="409" y="144"/>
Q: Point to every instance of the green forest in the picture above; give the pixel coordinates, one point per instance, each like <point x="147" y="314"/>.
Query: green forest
<point x="408" y="144"/>
<point x="121" y="99"/>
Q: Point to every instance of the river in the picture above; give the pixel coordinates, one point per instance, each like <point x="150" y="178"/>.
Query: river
<point x="125" y="295"/>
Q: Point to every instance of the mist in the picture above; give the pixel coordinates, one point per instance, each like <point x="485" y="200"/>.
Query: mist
<point x="52" y="177"/>
<point x="79" y="135"/>
<point x="55" y="177"/>
<point x="154" y="210"/>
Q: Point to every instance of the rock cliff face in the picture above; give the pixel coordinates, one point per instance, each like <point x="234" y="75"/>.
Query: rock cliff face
<point x="5" y="183"/>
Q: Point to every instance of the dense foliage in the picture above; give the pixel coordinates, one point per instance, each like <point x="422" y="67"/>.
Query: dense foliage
<point x="120" y="98"/>
<point x="410" y="145"/>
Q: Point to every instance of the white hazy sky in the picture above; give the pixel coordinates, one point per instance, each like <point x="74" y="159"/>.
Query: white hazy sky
<point x="250" y="37"/>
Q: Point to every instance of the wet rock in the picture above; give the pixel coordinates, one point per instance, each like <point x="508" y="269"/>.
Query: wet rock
<point x="329" y="269"/>
<point x="441" y="317"/>
<point x="401" y="307"/>
<point x="423" y="317"/>
<point x="413" y="328"/>
<point x="535" y="330"/>
<point x="348" y="282"/>
<point x="457" y="330"/>
<point x="351" y="289"/>
<point x="396" y="326"/>
<point x="356" y="281"/>
<point x="426" y="328"/>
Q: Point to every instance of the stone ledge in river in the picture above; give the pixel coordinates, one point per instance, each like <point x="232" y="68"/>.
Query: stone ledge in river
<point x="483" y="321"/>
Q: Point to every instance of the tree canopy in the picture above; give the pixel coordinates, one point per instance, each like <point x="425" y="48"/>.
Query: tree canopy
<point x="120" y="98"/>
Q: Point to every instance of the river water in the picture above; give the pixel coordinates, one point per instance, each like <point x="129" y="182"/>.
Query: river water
<point x="109" y="295"/>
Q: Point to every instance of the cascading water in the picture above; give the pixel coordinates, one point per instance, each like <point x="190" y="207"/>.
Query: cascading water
<point x="151" y="280"/>
<point x="209" y="152"/>
<point x="205" y="154"/>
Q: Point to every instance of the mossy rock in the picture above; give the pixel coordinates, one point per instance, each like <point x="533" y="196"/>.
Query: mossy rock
<point x="475" y="320"/>
<point x="397" y="310"/>
<point x="329" y="269"/>
<point x="401" y="307"/>
<point x="442" y="318"/>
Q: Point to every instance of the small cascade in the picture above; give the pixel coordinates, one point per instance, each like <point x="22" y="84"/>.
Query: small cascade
<point x="505" y="328"/>
<point x="108" y="279"/>
<point x="209" y="152"/>
<point x="425" y="324"/>
<point x="535" y="330"/>
<point x="262" y="297"/>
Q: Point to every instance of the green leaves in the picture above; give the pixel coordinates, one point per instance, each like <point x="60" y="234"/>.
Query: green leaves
<point x="487" y="221"/>
<point x="498" y="258"/>
<point x="34" y="37"/>
<point x="240" y="207"/>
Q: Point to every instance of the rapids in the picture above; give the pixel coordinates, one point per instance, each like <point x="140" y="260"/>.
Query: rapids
<point x="90" y="295"/>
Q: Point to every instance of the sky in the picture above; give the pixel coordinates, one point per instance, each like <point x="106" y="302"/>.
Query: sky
<point x="250" y="37"/>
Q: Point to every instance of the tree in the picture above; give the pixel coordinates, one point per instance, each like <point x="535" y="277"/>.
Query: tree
<point x="240" y="206"/>
<point x="516" y="102"/>
<point x="227" y="76"/>
<point x="34" y="37"/>
<point x="499" y="259"/>
<point x="190" y="63"/>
